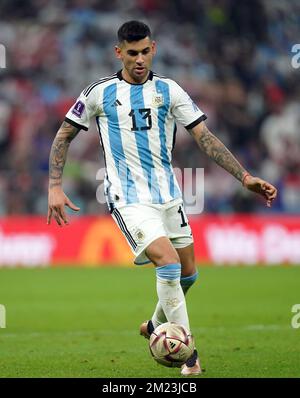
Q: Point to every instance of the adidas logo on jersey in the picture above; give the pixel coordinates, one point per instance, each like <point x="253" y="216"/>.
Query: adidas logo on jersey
<point x="116" y="103"/>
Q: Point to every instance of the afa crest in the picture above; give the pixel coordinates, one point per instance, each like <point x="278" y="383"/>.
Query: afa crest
<point x="158" y="100"/>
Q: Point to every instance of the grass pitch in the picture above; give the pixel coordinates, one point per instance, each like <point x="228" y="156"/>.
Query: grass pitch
<point x="71" y="322"/>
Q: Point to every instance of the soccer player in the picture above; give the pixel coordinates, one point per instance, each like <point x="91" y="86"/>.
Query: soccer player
<point x="136" y="112"/>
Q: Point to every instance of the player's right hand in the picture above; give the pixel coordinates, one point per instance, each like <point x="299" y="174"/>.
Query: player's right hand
<point x="57" y="200"/>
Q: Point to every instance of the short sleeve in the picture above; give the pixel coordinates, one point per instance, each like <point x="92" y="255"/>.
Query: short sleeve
<point x="184" y="109"/>
<point x="80" y="114"/>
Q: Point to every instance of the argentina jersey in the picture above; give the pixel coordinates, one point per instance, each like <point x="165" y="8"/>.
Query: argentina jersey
<point x="137" y="127"/>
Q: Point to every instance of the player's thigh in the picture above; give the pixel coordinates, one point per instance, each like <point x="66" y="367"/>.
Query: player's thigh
<point x="162" y="252"/>
<point x="177" y="224"/>
<point x="180" y="234"/>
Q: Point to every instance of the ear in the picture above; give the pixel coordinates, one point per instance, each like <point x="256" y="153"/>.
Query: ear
<point x="118" y="52"/>
<point x="153" y="47"/>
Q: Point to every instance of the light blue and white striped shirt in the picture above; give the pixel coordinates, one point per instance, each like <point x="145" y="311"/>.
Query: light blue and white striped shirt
<point x="137" y="127"/>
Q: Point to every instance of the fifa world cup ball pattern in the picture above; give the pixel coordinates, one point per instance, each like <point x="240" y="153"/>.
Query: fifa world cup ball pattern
<point x="171" y="344"/>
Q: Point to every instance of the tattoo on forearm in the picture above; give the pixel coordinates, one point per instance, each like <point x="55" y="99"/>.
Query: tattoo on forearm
<point x="217" y="151"/>
<point x="58" y="153"/>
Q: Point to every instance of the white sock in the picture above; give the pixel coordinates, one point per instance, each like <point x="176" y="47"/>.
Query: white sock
<point x="170" y="295"/>
<point x="159" y="316"/>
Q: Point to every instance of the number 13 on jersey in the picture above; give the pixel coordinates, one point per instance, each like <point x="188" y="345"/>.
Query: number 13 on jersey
<point x="141" y="119"/>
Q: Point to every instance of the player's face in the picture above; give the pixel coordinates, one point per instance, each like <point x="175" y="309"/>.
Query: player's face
<point x="137" y="59"/>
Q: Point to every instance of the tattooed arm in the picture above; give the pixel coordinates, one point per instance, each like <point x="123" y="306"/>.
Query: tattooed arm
<point x="217" y="151"/>
<point x="56" y="196"/>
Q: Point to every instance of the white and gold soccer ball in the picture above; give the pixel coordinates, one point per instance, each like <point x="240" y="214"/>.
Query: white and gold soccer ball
<point x="171" y="344"/>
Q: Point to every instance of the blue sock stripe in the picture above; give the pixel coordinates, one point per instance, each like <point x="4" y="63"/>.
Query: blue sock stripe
<point x="188" y="280"/>
<point x="169" y="271"/>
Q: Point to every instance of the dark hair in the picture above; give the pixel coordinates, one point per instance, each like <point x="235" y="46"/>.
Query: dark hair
<point x="133" y="31"/>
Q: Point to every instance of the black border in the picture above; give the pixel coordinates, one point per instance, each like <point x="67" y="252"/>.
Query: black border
<point x="178" y="387"/>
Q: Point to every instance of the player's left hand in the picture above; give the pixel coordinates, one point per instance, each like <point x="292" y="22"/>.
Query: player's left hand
<point x="264" y="188"/>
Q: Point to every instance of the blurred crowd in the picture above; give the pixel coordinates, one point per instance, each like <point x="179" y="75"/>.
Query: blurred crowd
<point x="233" y="57"/>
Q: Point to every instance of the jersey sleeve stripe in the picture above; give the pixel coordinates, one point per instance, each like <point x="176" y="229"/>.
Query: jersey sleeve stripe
<point x="99" y="81"/>
<point x="197" y="121"/>
<point x="88" y="90"/>
<point x="79" y="126"/>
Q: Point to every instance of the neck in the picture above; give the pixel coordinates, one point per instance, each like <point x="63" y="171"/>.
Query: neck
<point x="131" y="80"/>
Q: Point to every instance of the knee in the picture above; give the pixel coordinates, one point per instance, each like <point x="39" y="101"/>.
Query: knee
<point x="191" y="274"/>
<point x="188" y="267"/>
<point x="161" y="252"/>
<point x="166" y="258"/>
<point x="190" y="279"/>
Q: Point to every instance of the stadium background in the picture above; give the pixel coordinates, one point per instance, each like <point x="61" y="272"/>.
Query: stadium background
<point x="235" y="60"/>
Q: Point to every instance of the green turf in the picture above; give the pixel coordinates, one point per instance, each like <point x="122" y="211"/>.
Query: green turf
<point x="71" y="322"/>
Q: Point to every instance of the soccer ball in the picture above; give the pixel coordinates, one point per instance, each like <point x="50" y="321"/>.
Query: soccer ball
<point x="171" y="344"/>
